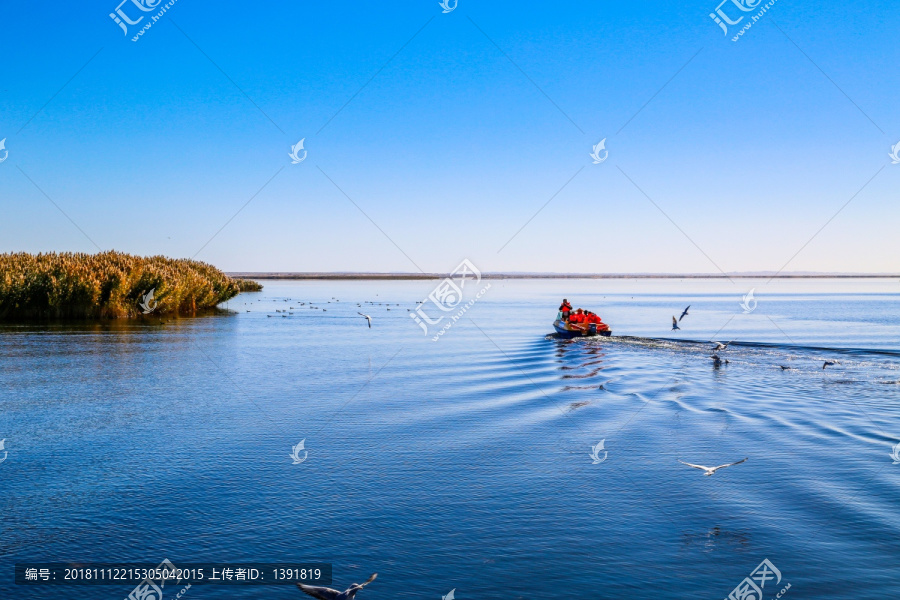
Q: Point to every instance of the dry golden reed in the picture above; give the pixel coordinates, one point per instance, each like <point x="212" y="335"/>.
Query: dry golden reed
<point x="108" y="285"/>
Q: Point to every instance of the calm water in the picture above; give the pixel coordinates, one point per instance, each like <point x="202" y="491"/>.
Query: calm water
<point x="464" y="463"/>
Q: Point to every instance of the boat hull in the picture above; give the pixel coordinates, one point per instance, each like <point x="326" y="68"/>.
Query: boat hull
<point x="563" y="331"/>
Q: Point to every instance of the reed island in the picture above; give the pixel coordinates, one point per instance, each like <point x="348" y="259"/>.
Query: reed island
<point x="110" y="285"/>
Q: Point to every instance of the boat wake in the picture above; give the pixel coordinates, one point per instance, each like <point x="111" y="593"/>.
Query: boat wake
<point x="838" y="366"/>
<point x="707" y="345"/>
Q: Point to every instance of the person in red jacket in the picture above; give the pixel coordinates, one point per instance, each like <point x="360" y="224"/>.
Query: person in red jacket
<point x="565" y="308"/>
<point x="577" y="317"/>
<point x="593" y="319"/>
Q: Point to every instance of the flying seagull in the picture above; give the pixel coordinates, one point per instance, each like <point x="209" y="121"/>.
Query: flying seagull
<point x="830" y="363"/>
<point x="367" y="317"/>
<point x="675" y="323"/>
<point x="710" y="470"/>
<point x="720" y="346"/>
<point x="324" y="593"/>
<point x="684" y="314"/>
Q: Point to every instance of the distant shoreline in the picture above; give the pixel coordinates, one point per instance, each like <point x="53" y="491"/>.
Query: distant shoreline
<point x="428" y="276"/>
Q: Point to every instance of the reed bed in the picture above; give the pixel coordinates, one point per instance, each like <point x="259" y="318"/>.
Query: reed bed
<point x="248" y="285"/>
<point x="109" y="285"/>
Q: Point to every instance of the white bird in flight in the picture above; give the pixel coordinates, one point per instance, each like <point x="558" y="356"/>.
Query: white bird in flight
<point x="324" y="593"/>
<point x="367" y="317"/>
<point x="720" y="346"/>
<point x="710" y="470"/>
<point x="830" y="363"/>
<point x="675" y="323"/>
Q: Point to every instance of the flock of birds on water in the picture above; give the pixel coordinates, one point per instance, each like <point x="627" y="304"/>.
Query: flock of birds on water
<point x="289" y="311"/>
<point x="718" y="361"/>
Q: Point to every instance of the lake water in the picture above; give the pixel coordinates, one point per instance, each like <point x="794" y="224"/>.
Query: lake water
<point x="464" y="463"/>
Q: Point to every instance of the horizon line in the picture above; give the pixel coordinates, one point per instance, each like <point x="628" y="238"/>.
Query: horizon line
<point x="539" y="275"/>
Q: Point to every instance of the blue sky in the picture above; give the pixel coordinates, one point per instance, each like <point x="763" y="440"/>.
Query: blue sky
<point x="452" y="131"/>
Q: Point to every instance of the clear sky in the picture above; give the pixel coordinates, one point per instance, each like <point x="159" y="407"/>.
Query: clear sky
<point x="434" y="137"/>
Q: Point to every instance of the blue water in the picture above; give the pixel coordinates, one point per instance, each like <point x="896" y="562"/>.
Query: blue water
<point x="464" y="463"/>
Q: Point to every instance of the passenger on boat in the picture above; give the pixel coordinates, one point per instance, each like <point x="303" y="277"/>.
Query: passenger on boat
<point x="578" y="317"/>
<point x="565" y="308"/>
<point x="592" y="317"/>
